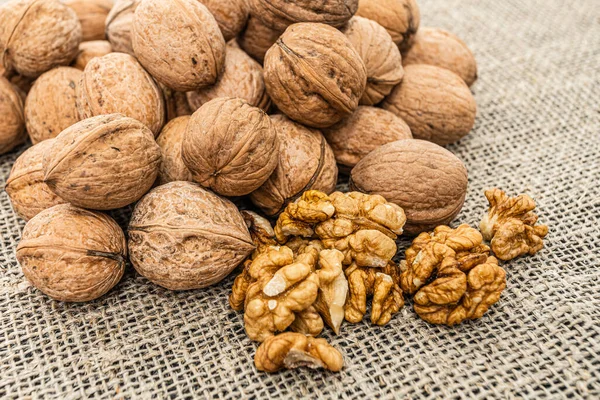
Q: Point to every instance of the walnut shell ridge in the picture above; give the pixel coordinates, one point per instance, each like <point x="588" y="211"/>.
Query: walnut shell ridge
<point x="257" y="39"/>
<point x="92" y="15"/>
<point x="172" y="167"/>
<point x="118" y="25"/>
<point x="231" y="15"/>
<point x="12" y="124"/>
<point x="89" y="50"/>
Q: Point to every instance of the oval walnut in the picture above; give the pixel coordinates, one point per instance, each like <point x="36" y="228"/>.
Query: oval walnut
<point x="12" y="124"/>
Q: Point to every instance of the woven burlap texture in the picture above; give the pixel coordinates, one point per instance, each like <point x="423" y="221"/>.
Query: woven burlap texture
<point x="537" y="132"/>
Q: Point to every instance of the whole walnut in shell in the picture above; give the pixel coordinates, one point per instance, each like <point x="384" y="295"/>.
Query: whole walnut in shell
<point x="257" y="39"/>
<point x="426" y="180"/>
<point x="72" y="254"/>
<point x="25" y="186"/>
<point x="305" y="162"/>
<point x="230" y="147"/>
<point x="354" y="137"/>
<point x="37" y="35"/>
<point x="184" y="51"/>
<point x="102" y="162"/>
<point x="118" y="25"/>
<point x="89" y="50"/>
<point x="172" y="167"/>
<point x="314" y="75"/>
<point x="117" y="83"/>
<point x="231" y="15"/>
<point x="92" y="15"/>
<point x="12" y="124"/>
<point x="182" y="236"/>
<point x="51" y="104"/>
<point x="435" y="102"/>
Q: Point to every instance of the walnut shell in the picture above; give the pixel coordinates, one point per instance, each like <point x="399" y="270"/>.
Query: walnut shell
<point x="89" y="50"/>
<point x="92" y="15"/>
<point x="230" y="146"/>
<point x="117" y="83"/>
<point x="12" y="124"/>
<point x="257" y="38"/>
<point x="72" y="254"/>
<point x="368" y="128"/>
<point x="426" y="180"/>
<point x="242" y="77"/>
<point x="51" y="104"/>
<point x="25" y="186"/>
<point x="172" y="167"/>
<point x="305" y="162"/>
<point x="103" y="162"/>
<point x="231" y="15"/>
<point x="279" y="14"/>
<point x="443" y="49"/>
<point x="118" y="25"/>
<point x="314" y="75"/>
<point x="182" y="236"/>
<point x="37" y="35"/>
<point x="176" y="103"/>
<point x="185" y="51"/>
<point x="436" y="104"/>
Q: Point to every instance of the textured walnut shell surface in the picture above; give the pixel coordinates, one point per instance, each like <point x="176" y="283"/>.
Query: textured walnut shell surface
<point x="103" y="162"/>
<point x="109" y="84"/>
<point x="257" y="39"/>
<point x="426" y="180"/>
<point x="185" y="51"/>
<point x="230" y="147"/>
<point x="12" y="124"/>
<point x="443" y="49"/>
<point x="51" y="104"/>
<point x="89" y="50"/>
<point x="118" y="25"/>
<point x="92" y="15"/>
<point x="366" y="129"/>
<point x="436" y="104"/>
<point x="182" y="236"/>
<point x="172" y="167"/>
<point x="314" y="75"/>
<point x="72" y="254"/>
<point x="381" y="57"/>
<point x="37" y="35"/>
<point x="231" y="15"/>
<point x="305" y="162"/>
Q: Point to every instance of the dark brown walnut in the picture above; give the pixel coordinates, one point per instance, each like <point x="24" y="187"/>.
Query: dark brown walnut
<point x="176" y="103"/>
<point x="305" y="162"/>
<point x="12" y="124"/>
<point x="72" y="254"/>
<point x="172" y="167"/>
<point x="367" y="128"/>
<point x="92" y="15"/>
<point x="182" y="236"/>
<point x="401" y="18"/>
<point x="185" y="51"/>
<point x="435" y="46"/>
<point x="89" y="50"/>
<point x="25" y="186"/>
<point x="426" y="180"/>
<point x="103" y="162"/>
<point x="381" y="57"/>
<point x="435" y="102"/>
<point x="118" y="25"/>
<point x="51" y="105"/>
<point x="314" y="75"/>
<point x="109" y="84"/>
<point x="257" y="39"/>
<point x="231" y="15"/>
<point x="230" y="147"/>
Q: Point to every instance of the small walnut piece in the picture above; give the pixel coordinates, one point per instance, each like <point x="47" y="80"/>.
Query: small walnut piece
<point x="308" y="322"/>
<point x="333" y="288"/>
<point x="92" y="15"/>
<point x="231" y="15"/>
<point x="400" y="18"/>
<point x="257" y="39"/>
<point x="260" y="229"/>
<point x="294" y="350"/>
<point x="72" y="254"/>
<point x="89" y="50"/>
<point x="365" y="248"/>
<point x="118" y="25"/>
<point x="172" y="167"/>
<point x="12" y="125"/>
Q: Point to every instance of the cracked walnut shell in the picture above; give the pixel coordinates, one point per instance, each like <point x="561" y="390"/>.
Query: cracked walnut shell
<point x="89" y="50"/>
<point x="172" y="168"/>
<point x="231" y="16"/>
<point x="118" y="25"/>
<point x="92" y="15"/>
<point x="12" y="125"/>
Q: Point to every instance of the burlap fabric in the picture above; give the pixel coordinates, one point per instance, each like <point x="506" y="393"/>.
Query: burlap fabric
<point x="538" y="132"/>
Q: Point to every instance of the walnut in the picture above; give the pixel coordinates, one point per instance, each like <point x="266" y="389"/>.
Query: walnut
<point x="367" y="128"/>
<point x="172" y="167"/>
<point x="182" y="236"/>
<point x="435" y="102"/>
<point x="176" y="103"/>
<point x="293" y="350"/>
<point x="51" y="105"/>
<point x="407" y="173"/>
<point x="92" y="15"/>
<point x="333" y="288"/>
<point x="72" y="254"/>
<point x="118" y="25"/>
<point x="260" y="230"/>
<point x="103" y="162"/>
<point x="12" y="125"/>
<point x="365" y="248"/>
<point x="257" y="39"/>
<point x="230" y="146"/>
<point x="36" y="36"/>
<point x="510" y="226"/>
<point x="314" y="75"/>
<point x="89" y="50"/>
<point x="381" y="57"/>
<point x="110" y="82"/>
<point x="305" y="162"/>
<point x="231" y="15"/>
<point x="186" y="50"/>
<point x="25" y="186"/>
<point x="443" y="49"/>
<point x="308" y="322"/>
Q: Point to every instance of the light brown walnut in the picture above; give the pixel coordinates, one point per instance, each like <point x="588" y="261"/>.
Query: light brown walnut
<point x="308" y="322"/>
<point x="89" y="50"/>
<point x="257" y="39"/>
<point x="172" y="168"/>
<point x="231" y="15"/>
<point x="365" y="248"/>
<point x="333" y="288"/>
<point x="263" y="235"/>
<point x="12" y="124"/>
<point x="176" y="103"/>
<point x="118" y="25"/>
<point x="92" y="15"/>
<point x="401" y="18"/>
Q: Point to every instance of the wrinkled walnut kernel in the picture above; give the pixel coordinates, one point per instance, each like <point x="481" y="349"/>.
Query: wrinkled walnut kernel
<point x="333" y="288"/>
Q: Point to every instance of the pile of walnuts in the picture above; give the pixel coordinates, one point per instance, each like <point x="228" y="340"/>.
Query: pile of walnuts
<point x="194" y="110"/>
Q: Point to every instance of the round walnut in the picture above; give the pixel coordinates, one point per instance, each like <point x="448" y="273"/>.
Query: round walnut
<point x="118" y="25"/>
<point x="305" y="162"/>
<point x="92" y="15"/>
<point x="426" y="180"/>
<point x="441" y="48"/>
<point x="356" y="136"/>
<point x="314" y="75"/>
<point x="50" y="106"/>
<point x="182" y="236"/>
<point x="380" y="55"/>
<point x="103" y="162"/>
<point x="117" y="83"/>
<point x="172" y="167"/>
<point x="231" y="15"/>
<point x="12" y="123"/>
<point x="257" y="39"/>
<point x="72" y="254"/>
<point x="185" y="51"/>
<point x="436" y="104"/>
<point x="230" y="146"/>
<point x="89" y="50"/>
<point x="37" y="35"/>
